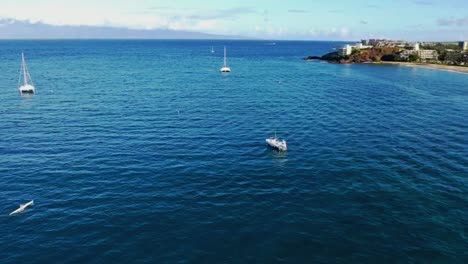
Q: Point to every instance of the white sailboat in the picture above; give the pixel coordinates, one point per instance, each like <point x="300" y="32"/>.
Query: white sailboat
<point x="275" y="142"/>
<point x="212" y="50"/>
<point x="225" y="68"/>
<point x="27" y="85"/>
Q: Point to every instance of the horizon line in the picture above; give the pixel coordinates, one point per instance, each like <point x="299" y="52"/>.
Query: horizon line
<point x="218" y="39"/>
<point x="197" y="39"/>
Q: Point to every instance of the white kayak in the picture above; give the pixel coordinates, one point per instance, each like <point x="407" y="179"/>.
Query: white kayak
<point x="276" y="143"/>
<point x="22" y="208"/>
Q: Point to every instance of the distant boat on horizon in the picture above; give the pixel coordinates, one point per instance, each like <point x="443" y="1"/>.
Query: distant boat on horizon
<point x="212" y="50"/>
<point x="27" y="85"/>
<point x="225" y="68"/>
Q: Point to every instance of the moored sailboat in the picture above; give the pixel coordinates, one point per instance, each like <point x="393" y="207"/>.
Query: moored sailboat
<point x="225" y="68"/>
<point x="25" y="80"/>
<point x="276" y="143"/>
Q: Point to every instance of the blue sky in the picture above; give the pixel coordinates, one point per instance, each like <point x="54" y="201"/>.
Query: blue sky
<point x="294" y="19"/>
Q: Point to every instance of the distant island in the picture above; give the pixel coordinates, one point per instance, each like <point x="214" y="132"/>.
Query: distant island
<point x="25" y="29"/>
<point x="448" y="56"/>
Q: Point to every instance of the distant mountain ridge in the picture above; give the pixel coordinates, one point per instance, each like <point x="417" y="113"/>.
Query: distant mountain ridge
<point x="21" y="29"/>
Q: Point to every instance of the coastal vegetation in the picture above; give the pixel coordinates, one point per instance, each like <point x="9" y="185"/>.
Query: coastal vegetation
<point x="364" y="55"/>
<point x="434" y="53"/>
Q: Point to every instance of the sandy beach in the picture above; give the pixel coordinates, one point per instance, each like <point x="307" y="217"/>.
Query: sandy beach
<point x="459" y="69"/>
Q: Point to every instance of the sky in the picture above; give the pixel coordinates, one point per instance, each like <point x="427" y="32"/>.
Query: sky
<point x="424" y="20"/>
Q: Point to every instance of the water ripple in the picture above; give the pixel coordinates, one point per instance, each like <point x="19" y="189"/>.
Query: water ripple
<point x="141" y="151"/>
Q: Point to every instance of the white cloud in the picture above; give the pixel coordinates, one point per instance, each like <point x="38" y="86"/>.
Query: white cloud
<point x="342" y="33"/>
<point x="220" y="21"/>
<point x="60" y="14"/>
<point x="270" y="31"/>
<point x="194" y="25"/>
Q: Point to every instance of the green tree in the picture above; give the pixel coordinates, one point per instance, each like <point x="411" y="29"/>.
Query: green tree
<point x="454" y="57"/>
<point x="442" y="56"/>
<point x="355" y="51"/>
<point x="391" y="57"/>
<point x="413" y="57"/>
<point x="332" y="56"/>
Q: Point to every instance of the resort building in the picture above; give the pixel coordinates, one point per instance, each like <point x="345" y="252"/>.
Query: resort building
<point x="361" y="46"/>
<point x="383" y="43"/>
<point x="422" y="54"/>
<point x="374" y="42"/>
<point x="416" y="46"/>
<point x="428" y="54"/>
<point x="463" y="45"/>
<point x="345" y="51"/>
<point x="405" y="54"/>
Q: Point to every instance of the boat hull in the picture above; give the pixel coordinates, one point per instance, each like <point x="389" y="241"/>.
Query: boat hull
<point x="225" y="69"/>
<point x="27" y="89"/>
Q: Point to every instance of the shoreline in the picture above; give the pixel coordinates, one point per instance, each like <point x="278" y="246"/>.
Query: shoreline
<point x="457" y="69"/>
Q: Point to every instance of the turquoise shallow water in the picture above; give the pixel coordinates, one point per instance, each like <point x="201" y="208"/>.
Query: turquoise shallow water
<point x="143" y="151"/>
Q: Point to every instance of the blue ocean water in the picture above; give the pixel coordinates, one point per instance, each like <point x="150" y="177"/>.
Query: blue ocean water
<point x="142" y="151"/>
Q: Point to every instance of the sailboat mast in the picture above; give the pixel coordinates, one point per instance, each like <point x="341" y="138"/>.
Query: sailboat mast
<point x="225" y="64"/>
<point x="23" y="64"/>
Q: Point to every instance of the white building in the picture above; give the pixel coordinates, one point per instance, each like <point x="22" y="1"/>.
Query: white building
<point x="422" y="54"/>
<point x="416" y="46"/>
<point x="463" y="45"/>
<point x="361" y="46"/>
<point x="374" y="42"/>
<point x="345" y="51"/>
<point x="405" y="54"/>
<point x="428" y="54"/>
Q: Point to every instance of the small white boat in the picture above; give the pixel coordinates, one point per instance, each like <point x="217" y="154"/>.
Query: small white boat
<point x="22" y="208"/>
<point x="212" y="50"/>
<point x="225" y="68"/>
<point x="275" y="142"/>
<point x="27" y="86"/>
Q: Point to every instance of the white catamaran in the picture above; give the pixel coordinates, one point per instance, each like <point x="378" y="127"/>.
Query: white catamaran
<point x="27" y="85"/>
<point x="225" y="68"/>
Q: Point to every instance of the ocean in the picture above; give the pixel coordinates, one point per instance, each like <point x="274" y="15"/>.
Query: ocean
<point x="142" y="151"/>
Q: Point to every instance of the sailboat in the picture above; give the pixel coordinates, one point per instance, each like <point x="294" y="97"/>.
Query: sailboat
<point x="277" y="143"/>
<point x="212" y="50"/>
<point x="225" y="68"/>
<point x="27" y="86"/>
